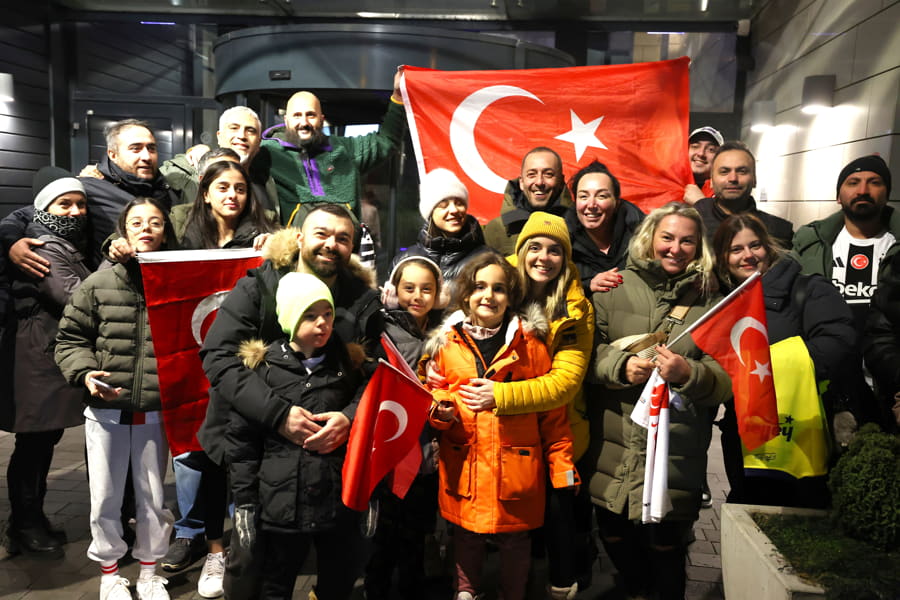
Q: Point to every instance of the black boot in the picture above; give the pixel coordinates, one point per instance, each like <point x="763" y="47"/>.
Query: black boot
<point x="35" y="541"/>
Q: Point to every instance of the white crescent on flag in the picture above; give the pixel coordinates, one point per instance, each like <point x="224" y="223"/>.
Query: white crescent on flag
<point x="400" y="413"/>
<point x="738" y="329"/>
<point x="462" y="133"/>
<point x="205" y="308"/>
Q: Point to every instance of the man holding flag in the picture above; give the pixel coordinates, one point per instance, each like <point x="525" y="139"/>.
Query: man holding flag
<point x="322" y="248"/>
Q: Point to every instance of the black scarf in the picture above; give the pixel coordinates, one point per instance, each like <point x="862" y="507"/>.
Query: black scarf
<point x="156" y="188"/>
<point x="71" y="229"/>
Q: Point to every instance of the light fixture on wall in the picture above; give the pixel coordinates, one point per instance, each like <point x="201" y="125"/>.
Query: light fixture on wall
<point x="762" y="115"/>
<point x="6" y="87"/>
<point x="818" y="93"/>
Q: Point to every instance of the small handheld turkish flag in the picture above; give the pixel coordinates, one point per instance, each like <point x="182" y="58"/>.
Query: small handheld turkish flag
<point x="479" y="124"/>
<point x="385" y="432"/>
<point x="736" y="335"/>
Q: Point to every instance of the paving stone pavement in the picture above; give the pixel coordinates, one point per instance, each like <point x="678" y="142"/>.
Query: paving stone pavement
<point x="75" y="577"/>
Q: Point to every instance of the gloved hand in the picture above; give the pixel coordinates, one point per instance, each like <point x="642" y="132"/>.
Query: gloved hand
<point x="245" y="525"/>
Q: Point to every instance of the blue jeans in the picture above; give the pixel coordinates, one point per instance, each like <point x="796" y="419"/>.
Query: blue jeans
<point x="187" y="489"/>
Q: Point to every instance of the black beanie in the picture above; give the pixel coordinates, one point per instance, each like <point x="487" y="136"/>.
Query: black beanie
<point x="873" y="163"/>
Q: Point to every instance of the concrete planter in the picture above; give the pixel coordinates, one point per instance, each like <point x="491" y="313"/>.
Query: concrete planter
<point x="752" y="568"/>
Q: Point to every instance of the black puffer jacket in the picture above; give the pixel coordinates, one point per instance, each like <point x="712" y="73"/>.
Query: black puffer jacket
<point x="881" y="343"/>
<point x="298" y="490"/>
<point x="249" y="313"/>
<point x="824" y="321"/>
<point x="450" y="253"/>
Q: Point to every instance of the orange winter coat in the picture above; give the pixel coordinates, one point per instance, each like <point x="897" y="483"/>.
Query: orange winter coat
<point x="493" y="468"/>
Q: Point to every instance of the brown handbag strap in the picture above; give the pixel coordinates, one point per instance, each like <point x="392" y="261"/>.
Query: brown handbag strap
<point x="678" y="313"/>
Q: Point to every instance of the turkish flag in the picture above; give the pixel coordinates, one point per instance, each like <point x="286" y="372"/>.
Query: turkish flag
<point x="385" y="434"/>
<point x="479" y="124"/>
<point x="736" y="335"/>
<point x="652" y="413"/>
<point x="183" y="290"/>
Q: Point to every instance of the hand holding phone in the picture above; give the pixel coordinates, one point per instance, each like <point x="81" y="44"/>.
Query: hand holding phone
<point x="101" y="384"/>
<point x="100" y="388"/>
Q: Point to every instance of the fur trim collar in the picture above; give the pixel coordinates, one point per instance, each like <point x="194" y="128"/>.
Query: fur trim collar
<point x="282" y="250"/>
<point x="531" y="317"/>
<point x="253" y="353"/>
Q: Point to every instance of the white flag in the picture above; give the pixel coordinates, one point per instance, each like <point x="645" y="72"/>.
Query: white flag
<point x="652" y="413"/>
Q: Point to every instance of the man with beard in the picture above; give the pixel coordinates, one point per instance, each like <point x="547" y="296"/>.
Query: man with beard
<point x="702" y="145"/>
<point x="322" y="247"/>
<point x="540" y="186"/>
<point x="239" y="130"/>
<point x="733" y="175"/>
<point x="311" y="167"/>
<point x="128" y="170"/>
<point x="848" y="246"/>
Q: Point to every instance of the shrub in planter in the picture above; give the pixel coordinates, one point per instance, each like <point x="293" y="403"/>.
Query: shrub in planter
<point x="865" y="488"/>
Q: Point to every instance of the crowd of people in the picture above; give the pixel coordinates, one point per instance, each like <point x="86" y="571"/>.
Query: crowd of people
<point x="535" y="335"/>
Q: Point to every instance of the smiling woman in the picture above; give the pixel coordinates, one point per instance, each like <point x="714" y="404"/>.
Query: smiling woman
<point x="225" y="213"/>
<point x="450" y="236"/>
<point x="669" y="268"/>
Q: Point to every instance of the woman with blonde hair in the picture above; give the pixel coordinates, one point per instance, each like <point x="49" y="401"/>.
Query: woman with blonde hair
<point x="668" y="284"/>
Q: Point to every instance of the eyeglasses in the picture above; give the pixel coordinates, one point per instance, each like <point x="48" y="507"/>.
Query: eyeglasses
<point x="140" y="224"/>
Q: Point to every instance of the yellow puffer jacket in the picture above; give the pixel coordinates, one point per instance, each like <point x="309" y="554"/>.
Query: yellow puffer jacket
<point x="570" y="341"/>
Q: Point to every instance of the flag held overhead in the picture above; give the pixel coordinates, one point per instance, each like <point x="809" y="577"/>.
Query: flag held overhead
<point x="479" y="124"/>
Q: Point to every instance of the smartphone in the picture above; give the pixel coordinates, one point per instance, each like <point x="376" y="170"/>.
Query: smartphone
<point x="102" y="385"/>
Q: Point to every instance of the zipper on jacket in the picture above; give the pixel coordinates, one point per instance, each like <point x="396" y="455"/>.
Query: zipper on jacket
<point x="313" y="180"/>
<point x="140" y="349"/>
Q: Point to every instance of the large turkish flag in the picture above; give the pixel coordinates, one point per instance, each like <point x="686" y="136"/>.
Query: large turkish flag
<point x="479" y="124"/>
<point x="737" y="336"/>
<point x="183" y="290"/>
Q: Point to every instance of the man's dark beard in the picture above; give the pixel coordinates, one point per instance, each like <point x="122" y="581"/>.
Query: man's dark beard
<point x="862" y="209"/>
<point x="292" y="137"/>
<point x="321" y="271"/>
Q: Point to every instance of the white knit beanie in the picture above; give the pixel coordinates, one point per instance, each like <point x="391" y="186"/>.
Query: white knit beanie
<point x="435" y="187"/>
<point x="50" y="183"/>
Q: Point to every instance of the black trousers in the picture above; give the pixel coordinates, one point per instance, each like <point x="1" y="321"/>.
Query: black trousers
<point x="340" y="555"/>
<point x="634" y="550"/>
<point x="399" y="541"/>
<point x="26" y="475"/>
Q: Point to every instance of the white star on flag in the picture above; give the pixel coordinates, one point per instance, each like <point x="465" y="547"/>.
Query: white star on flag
<point x="762" y="370"/>
<point x="582" y="135"/>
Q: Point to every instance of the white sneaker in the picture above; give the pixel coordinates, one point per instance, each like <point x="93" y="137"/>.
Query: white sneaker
<point x="114" y="588"/>
<point x="153" y="588"/>
<point x="212" y="576"/>
<point x="465" y="596"/>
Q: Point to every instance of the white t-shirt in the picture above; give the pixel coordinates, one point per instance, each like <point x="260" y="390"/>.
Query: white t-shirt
<point x="855" y="262"/>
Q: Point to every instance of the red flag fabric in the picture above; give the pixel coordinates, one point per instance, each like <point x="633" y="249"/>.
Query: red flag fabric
<point x="479" y="124"/>
<point x="183" y="290"/>
<point x="386" y="430"/>
<point x="736" y="335"/>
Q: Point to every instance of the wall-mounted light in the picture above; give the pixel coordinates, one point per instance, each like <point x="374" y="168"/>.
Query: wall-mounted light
<point x="6" y="87"/>
<point x="762" y="115"/>
<point x="818" y="93"/>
